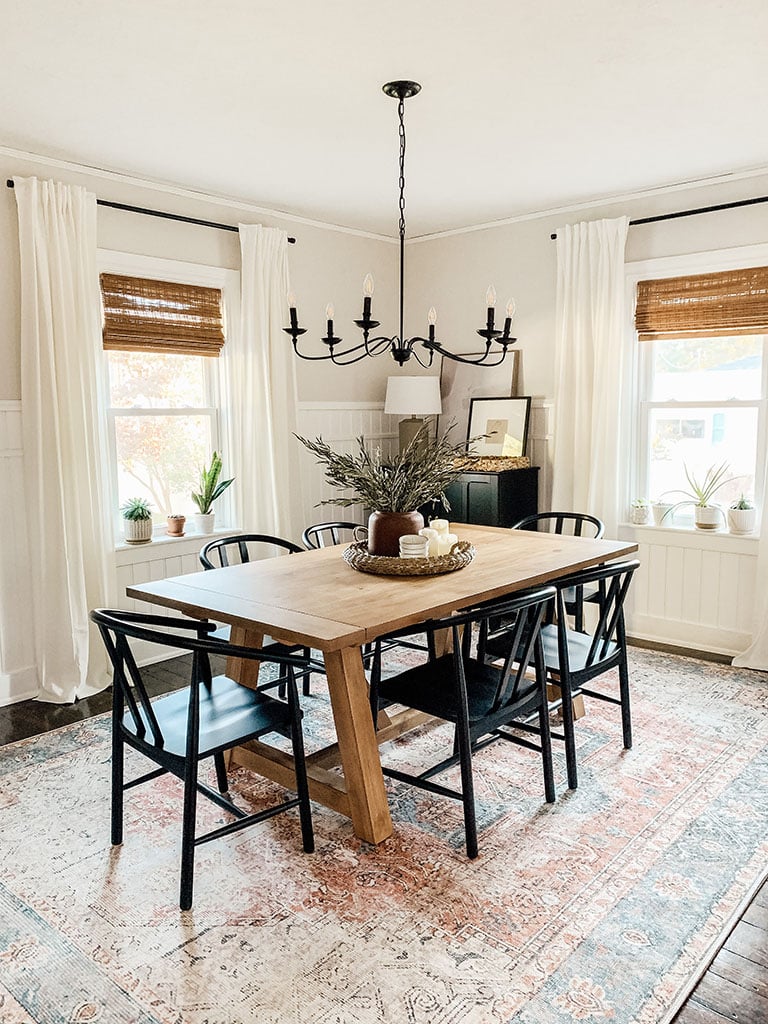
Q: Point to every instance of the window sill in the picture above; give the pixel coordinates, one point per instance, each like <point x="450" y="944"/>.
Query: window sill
<point x="689" y="536"/>
<point x="191" y="541"/>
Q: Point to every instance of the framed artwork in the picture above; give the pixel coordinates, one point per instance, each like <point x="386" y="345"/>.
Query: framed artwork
<point x="460" y="382"/>
<point x="504" y="421"/>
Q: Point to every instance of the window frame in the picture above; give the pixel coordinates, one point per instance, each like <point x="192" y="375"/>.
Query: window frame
<point x="214" y="375"/>
<point x="636" y="483"/>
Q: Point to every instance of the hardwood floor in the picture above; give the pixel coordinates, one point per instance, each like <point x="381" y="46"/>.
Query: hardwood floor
<point x="734" y="988"/>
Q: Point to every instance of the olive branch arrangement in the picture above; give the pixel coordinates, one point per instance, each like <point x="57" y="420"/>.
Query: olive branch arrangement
<point x="399" y="483"/>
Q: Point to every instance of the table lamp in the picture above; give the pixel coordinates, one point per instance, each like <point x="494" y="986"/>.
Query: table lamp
<point x="415" y="397"/>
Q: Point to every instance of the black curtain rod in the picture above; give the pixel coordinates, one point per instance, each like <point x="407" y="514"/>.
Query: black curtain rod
<point x="162" y="215"/>
<point x="693" y="213"/>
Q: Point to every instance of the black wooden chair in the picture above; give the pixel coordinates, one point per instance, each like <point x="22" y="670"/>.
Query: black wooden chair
<point x="247" y="547"/>
<point x="574" y="658"/>
<point x="323" y="535"/>
<point x="575" y="524"/>
<point x="479" y="699"/>
<point x="212" y="715"/>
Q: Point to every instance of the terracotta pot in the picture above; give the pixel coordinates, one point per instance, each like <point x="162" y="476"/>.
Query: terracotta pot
<point x="386" y="528"/>
<point x="176" y="526"/>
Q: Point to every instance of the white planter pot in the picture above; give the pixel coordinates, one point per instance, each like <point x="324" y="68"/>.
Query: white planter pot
<point x="708" y="517"/>
<point x="639" y="514"/>
<point x="662" y="515"/>
<point x="742" y="520"/>
<point x="204" y="523"/>
<point x="137" y="531"/>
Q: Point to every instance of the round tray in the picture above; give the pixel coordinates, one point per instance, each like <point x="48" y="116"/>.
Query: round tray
<point x="357" y="556"/>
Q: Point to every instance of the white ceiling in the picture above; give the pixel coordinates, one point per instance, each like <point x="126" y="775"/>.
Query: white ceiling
<point x="526" y="105"/>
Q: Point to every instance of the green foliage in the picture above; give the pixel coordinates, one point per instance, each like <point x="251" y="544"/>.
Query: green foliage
<point x="209" y="487"/>
<point x="640" y="503"/>
<point x="136" y="508"/>
<point x="743" y="503"/>
<point x="399" y="484"/>
<point x="703" y="491"/>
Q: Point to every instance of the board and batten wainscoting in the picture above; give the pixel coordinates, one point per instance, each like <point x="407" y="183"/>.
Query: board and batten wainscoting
<point x="693" y="589"/>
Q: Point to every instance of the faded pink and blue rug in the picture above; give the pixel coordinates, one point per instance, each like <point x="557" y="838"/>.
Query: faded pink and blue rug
<point x="602" y="907"/>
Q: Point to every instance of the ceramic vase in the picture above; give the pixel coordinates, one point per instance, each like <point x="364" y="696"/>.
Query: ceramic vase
<point x="204" y="521"/>
<point x="386" y="528"/>
<point x="707" y="517"/>
<point x="137" y="531"/>
<point x="742" y="520"/>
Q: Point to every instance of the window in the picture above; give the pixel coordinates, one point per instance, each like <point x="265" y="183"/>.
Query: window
<point x="164" y="397"/>
<point x="703" y="374"/>
<point x="703" y="404"/>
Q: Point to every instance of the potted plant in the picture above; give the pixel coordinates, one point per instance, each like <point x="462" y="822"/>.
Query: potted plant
<point x="742" y="516"/>
<point x="137" y="521"/>
<point x="395" y="487"/>
<point x="639" y="511"/>
<point x="706" y="514"/>
<point x="175" y="526"/>
<point x="210" y="487"/>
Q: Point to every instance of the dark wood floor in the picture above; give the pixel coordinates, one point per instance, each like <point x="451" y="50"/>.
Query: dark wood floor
<point x="734" y="988"/>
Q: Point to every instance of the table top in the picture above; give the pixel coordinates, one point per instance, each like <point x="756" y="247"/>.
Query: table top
<point x="315" y="597"/>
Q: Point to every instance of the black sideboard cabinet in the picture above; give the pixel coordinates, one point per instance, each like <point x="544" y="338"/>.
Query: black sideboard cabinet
<point x="489" y="499"/>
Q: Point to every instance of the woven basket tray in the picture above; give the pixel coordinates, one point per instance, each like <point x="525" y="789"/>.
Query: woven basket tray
<point x="357" y="556"/>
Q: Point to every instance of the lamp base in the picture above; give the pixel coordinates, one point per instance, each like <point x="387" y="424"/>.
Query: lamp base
<point x="408" y="429"/>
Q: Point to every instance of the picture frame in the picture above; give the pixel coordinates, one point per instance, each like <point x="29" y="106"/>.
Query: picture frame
<point x="460" y="382"/>
<point x="504" y="420"/>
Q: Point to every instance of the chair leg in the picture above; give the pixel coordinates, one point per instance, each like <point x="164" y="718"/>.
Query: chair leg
<point x="281" y="686"/>
<point x="546" y="753"/>
<point x="118" y="749"/>
<point x="305" y="685"/>
<point x="626" y="716"/>
<point x="302" y="785"/>
<point x="221" y="772"/>
<point x="569" y="732"/>
<point x="467" y="783"/>
<point x="188" y="836"/>
<point x="373" y="690"/>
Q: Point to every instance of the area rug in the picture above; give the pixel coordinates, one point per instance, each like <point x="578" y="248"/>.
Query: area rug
<point x="601" y="907"/>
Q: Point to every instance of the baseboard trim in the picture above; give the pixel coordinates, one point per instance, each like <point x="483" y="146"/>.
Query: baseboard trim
<point x="17" y="686"/>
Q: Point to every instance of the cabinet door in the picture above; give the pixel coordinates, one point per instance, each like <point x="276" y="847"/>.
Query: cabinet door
<point x="482" y="500"/>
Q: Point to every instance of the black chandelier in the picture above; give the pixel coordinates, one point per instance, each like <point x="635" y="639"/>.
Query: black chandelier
<point x="403" y="348"/>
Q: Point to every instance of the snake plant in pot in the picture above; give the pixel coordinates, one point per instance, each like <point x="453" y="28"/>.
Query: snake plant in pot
<point x="209" y="489"/>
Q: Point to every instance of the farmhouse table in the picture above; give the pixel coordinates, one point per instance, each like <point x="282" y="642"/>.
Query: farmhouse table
<point x="314" y="598"/>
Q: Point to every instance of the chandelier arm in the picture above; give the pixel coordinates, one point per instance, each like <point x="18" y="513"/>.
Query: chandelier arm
<point x="482" y="361"/>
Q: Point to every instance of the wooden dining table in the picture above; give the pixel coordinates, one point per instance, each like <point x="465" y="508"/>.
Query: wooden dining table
<point x="315" y="598"/>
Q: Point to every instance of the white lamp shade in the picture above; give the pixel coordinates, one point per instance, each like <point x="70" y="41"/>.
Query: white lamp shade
<point x="413" y="396"/>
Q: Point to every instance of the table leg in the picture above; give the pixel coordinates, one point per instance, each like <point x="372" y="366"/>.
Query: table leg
<point x="358" y="747"/>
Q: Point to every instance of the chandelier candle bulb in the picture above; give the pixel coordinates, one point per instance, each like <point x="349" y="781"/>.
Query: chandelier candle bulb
<point x="329" y="318"/>
<point x="367" y="293"/>
<point x="510" y="314"/>
<point x="432" y="320"/>
<point x="490" y="299"/>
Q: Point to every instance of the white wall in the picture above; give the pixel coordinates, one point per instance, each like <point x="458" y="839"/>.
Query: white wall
<point x="450" y="272"/>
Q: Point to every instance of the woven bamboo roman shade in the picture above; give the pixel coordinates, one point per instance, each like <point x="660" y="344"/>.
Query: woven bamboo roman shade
<point x="703" y="306"/>
<point x="144" y="315"/>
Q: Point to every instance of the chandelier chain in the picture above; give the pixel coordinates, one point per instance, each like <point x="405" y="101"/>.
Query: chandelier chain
<point x="401" y="115"/>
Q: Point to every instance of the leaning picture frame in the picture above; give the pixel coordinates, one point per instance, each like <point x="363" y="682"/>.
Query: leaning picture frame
<point x="460" y="382"/>
<point x="499" y="425"/>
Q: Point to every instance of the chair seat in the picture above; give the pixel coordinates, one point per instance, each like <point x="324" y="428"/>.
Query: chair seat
<point x="429" y="688"/>
<point x="578" y="651"/>
<point x="229" y="713"/>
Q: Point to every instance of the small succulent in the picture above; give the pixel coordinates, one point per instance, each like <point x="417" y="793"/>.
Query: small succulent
<point x="743" y="503"/>
<point x="136" y="508"/>
<point x="640" y="503"/>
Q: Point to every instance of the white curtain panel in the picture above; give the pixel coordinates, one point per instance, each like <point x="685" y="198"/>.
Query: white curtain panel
<point x="71" y="550"/>
<point x="593" y="361"/>
<point x="260" y="370"/>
